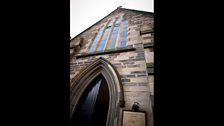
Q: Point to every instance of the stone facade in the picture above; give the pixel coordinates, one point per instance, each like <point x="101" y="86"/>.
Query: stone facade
<point x="133" y="63"/>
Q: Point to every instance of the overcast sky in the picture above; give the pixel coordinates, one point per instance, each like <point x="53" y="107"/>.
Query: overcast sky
<point x="84" y="13"/>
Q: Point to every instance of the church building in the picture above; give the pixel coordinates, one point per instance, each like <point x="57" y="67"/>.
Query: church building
<point x="112" y="71"/>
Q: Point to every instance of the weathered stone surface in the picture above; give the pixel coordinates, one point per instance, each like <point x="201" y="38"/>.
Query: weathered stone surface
<point x="129" y="62"/>
<point x="141" y="75"/>
<point x="138" y="59"/>
<point x="147" y="41"/>
<point x="125" y="80"/>
<point x="130" y="84"/>
<point x="133" y="72"/>
<point x="127" y="76"/>
<point x="143" y="84"/>
<point x="147" y="35"/>
<point x="133" y="65"/>
<point x="139" y="79"/>
<point x="136" y="88"/>
<point x="149" y="56"/>
<point x="151" y="84"/>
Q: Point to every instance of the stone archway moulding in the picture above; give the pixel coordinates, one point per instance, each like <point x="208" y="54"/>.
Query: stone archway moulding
<point x="111" y="75"/>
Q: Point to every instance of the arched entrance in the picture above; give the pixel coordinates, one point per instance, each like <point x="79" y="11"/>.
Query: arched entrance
<point x="92" y="108"/>
<point x="97" y="90"/>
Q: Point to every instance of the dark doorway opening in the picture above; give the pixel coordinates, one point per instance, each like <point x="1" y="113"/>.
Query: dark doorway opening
<point x="93" y="106"/>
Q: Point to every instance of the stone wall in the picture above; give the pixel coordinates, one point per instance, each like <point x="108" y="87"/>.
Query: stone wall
<point x="131" y="65"/>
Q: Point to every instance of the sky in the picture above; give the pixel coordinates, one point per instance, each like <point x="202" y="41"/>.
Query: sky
<point x="84" y="13"/>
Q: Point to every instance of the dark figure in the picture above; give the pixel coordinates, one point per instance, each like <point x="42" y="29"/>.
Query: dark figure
<point x="135" y="107"/>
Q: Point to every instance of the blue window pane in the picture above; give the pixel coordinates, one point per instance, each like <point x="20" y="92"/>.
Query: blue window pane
<point x="124" y="34"/>
<point x="110" y="24"/>
<point x="105" y="36"/>
<point x="113" y="39"/>
<point x="93" y="46"/>
<point x="118" y="22"/>
<point x="125" y="22"/>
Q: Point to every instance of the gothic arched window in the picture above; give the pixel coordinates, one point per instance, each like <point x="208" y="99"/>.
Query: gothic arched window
<point x="113" y="35"/>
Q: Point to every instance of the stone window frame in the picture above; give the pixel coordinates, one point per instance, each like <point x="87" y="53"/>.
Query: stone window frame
<point x="110" y="34"/>
<point x="121" y="30"/>
<point x="116" y="93"/>
<point x="110" y="20"/>
<point x="104" y="29"/>
<point x="119" y="36"/>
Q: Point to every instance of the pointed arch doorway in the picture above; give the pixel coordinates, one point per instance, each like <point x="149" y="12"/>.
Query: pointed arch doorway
<point x="92" y="108"/>
<point x="96" y="95"/>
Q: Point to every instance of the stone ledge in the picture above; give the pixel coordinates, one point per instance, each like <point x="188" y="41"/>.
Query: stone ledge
<point x="105" y="52"/>
<point x="148" y="45"/>
<point x="150" y="64"/>
<point x="146" y="32"/>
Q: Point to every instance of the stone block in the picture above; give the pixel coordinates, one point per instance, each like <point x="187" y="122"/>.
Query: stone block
<point x="141" y="97"/>
<point x="136" y="88"/>
<point x="139" y="79"/>
<point x="133" y="65"/>
<point x="129" y="84"/>
<point x="125" y="80"/>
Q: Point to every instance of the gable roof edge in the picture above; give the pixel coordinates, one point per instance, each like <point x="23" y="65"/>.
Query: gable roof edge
<point x="120" y="7"/>
<point x="95" y="23"/>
